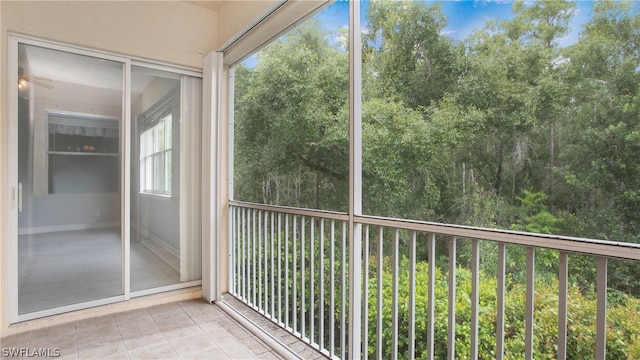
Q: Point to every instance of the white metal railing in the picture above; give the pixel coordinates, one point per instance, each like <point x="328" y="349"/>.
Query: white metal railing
<point x="292" y="266"/>
<point x="304" y="294"/>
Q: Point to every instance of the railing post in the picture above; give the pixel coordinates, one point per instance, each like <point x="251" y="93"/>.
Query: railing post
<point x="412" y="296"/>
<point x="332" y="282"/>
<point x="280" y="268"/>
<point x="529" y="312"/>
<point x="260" y="255"/>
<point x="475" y="288"/>
<point x="344" y="291"/>
<point x="287" y="308"/>
<point x="380" y="299"/>
<point x="563" y="274"/>
<point x="303" y="290"/>
<point x="322" y="267"/>
<point x="365" y="294"/>
<point x="500" y="302"/>
<point x="312" y="285"/>
<point x="273" y="267"/>
<point x="451" y="336"/>
<point x="394" y="298"/>
<point x="254" y="271"/>
<point x="294" y="312"/>
<point x="431" y="245"/>
<point x="245" y="253"/>
<point x="601" y="312"/>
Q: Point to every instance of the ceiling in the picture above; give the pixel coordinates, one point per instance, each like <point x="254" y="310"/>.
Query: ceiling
<point x="213" y="5"/>
<point x="48" y="66"/>
<point x="51" y="65"/>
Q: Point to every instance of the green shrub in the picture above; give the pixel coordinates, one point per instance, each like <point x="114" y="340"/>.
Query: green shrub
<point x="623" y="317"/>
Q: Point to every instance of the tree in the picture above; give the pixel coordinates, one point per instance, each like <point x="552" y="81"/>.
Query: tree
<point x="409" y="58"/>
<point x="601" y="162"/>
<point x="396" y="180"/>
<point x="291" y="122"/>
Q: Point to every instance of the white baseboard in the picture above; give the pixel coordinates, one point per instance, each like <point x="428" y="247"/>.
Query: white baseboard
<point x="147" y="235"/>
<point x="67" y="227"/>
<point x="161" y="249"/>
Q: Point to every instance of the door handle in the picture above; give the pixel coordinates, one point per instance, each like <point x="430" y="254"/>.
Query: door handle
<point x="20" y="197"/>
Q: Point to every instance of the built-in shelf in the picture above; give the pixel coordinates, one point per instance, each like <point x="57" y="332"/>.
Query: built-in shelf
<point x="74" y="134"/>
<point x="82" y="153"/>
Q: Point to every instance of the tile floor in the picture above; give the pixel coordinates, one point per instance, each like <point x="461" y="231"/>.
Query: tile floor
<point x="301" y="348"/>
<point x="191" y="329"/>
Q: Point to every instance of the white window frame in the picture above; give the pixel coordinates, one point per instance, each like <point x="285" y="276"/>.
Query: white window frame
<point x="149" y="153"/>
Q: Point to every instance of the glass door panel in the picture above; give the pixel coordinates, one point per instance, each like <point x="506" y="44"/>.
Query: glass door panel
<point x="165" y="244"/>
<point x="69" y="224"/>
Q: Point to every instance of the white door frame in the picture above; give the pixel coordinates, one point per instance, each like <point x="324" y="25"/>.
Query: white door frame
<point x="125" y="187"/>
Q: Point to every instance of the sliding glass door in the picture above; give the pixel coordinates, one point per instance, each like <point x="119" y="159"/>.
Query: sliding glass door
<point x="69" y="158"/>
<point x="105" y="179"/>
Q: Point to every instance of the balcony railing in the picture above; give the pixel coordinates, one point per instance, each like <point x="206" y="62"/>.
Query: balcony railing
<point x="291" y="265"/>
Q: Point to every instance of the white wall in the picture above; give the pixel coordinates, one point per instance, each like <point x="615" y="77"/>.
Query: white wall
<point x="43" y="210"/>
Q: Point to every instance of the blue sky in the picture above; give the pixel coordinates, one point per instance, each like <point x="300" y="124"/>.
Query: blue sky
<point x="463" y="16"/>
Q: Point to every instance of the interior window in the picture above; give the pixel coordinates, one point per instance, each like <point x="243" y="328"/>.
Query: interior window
<point x="155" y="156"/>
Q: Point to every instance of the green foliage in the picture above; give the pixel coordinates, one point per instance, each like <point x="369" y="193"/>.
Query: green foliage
<point x="285" y="267"/>
<point x="298" y="87"/>
<point x="622" y="317"/>
<point x="413" y="62"/>
<point x="394" y="147"/>
<point x="533" y="215"/>
<point x="604" y="81"/>
<point x="505" y="129"/>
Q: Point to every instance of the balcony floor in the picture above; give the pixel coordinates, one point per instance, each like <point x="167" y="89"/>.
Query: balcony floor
<point x="192" y="329"/>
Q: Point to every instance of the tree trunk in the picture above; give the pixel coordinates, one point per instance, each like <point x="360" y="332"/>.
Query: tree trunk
<point x="464" y="178"/>
<point x="552" y="164"/>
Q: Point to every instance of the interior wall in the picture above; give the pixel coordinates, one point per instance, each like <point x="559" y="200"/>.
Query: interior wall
<point x="90" y="209"/>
